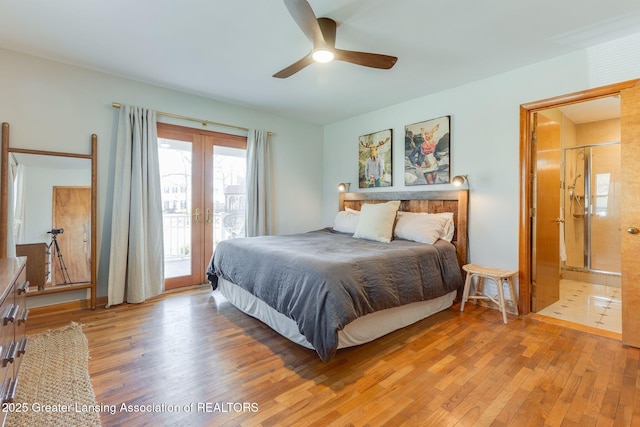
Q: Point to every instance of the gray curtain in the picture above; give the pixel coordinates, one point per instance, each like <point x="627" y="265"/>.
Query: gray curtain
<point x="258" y="220"/>
<point x="136" y="262"/>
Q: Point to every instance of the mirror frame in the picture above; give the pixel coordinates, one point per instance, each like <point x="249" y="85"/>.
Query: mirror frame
<point x="4" y="202"/>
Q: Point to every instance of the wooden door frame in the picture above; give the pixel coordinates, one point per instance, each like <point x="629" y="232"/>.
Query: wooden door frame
<point x="525" y="238"/>
<point x="181" y="134"/>
<point x="203" y="142"/>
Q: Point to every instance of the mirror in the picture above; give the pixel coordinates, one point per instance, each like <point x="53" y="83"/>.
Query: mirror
<point x="49" y="212"/>
<point x="53" y="211"/>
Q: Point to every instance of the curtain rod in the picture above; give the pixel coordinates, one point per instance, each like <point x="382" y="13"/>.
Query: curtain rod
<point x="191" y="119"/>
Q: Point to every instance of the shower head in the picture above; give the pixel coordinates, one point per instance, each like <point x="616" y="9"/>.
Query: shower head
<point x="575" y="179"/>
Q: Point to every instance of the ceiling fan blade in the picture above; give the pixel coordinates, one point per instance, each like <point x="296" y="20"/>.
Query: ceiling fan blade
<point x="322" y="32"/>
<point x="302" y="13"/>
<point x="295" y="67"/>
<point x="328" y="28"/>
<point x="373" y="60"/>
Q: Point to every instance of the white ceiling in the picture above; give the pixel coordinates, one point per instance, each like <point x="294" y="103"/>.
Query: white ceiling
<point x="228" y="50"/>
<point x="593" y="110"/>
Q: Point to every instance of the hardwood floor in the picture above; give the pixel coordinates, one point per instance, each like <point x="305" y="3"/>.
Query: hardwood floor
<point x="453" y="369"/>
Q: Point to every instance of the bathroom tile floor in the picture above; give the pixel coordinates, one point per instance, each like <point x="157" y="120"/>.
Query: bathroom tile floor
<point x="588" y="304"/>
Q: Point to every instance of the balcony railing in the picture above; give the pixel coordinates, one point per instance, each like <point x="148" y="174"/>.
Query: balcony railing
<point x="177" y="232"/>
<point x="177" y="235"/>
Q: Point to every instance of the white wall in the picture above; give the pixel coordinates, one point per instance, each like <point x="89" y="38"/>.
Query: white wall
<point x="53" y="106"/>
<point x="39" y="183"/>
<point x="484" y="138"/>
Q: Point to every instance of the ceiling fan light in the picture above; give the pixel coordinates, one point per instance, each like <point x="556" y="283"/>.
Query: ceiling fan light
<point x="323" y="55"/>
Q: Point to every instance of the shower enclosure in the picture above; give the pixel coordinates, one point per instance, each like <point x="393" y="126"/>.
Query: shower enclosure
<point x="591" y="206"/>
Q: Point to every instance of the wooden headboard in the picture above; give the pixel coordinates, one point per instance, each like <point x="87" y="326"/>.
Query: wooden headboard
<point x="456" y="201"/>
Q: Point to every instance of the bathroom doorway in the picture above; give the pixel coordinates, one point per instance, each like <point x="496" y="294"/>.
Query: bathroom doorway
<point x="588" y="188"/>
<point x="629" y="95"/>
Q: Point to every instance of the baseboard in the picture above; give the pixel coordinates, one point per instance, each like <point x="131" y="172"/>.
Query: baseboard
<point x="101" y="302"/>
<point x="66" y="306"/>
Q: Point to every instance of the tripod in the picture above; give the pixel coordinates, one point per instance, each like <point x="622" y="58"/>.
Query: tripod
<point x="56" y="253"/>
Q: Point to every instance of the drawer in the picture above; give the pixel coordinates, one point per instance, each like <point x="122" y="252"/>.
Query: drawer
<point x="8" y="389"/>
<point x="20" y="323"/>
<point x="8" y="348"/>
<point x="8" y="316"/>
<point x="13" y="315"/>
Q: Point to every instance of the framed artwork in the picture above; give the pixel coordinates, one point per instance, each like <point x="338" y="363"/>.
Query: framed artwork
<point x="426" y="152"/>
<point x="374" y="159"/>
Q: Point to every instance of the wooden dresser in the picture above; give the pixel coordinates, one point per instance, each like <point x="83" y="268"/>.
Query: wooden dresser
<point x="13" y="309"/>
<point x="37" y="271"/>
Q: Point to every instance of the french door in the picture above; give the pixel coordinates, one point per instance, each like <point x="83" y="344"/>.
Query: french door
<point x="203" y="195"/>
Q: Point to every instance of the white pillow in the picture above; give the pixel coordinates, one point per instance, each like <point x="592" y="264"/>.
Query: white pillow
<point x="376" y="221"/>
<point x="450" y="228"/>
<point x="421" y="227"/>
<point x="346" y="221"/>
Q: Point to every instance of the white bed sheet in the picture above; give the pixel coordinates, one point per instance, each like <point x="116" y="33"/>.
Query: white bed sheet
<point x="360" y="331"/>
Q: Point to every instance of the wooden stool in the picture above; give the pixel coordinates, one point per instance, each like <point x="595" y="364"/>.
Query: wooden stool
<point x="500" y="277"/>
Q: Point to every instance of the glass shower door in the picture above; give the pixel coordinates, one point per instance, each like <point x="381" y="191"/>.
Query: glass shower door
<point x="592" y="208"/>
<point x="604" y="218"/>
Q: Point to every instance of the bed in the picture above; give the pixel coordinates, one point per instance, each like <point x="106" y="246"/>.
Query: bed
<point x="351" y="283"/>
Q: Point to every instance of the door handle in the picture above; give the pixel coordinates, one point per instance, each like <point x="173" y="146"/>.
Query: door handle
<point x="208" y="219"/>
<point x="197" y="215"/>
<point x="632" y="230"/>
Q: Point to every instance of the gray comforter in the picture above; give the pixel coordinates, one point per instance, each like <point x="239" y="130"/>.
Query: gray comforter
<point x="323" y="279"/>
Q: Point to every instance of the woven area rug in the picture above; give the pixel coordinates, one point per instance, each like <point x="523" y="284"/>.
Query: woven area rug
<point x="54" y="387"/>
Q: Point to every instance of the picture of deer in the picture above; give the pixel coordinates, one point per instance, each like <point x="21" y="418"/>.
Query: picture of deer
<point x="427" y="152"/>
<point x="375" y="159"/>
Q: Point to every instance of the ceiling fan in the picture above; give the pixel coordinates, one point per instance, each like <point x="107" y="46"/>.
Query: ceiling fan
<point x="322" y="32"/>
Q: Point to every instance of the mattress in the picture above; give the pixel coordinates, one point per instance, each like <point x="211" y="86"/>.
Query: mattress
<point x="361" y="330"/>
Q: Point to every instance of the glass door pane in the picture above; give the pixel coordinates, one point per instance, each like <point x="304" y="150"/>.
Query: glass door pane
<point x="229" y="194"/>
<point x="176" y="180"/>
<point x="575" y="204"/>
<point x="605" y="244"/>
